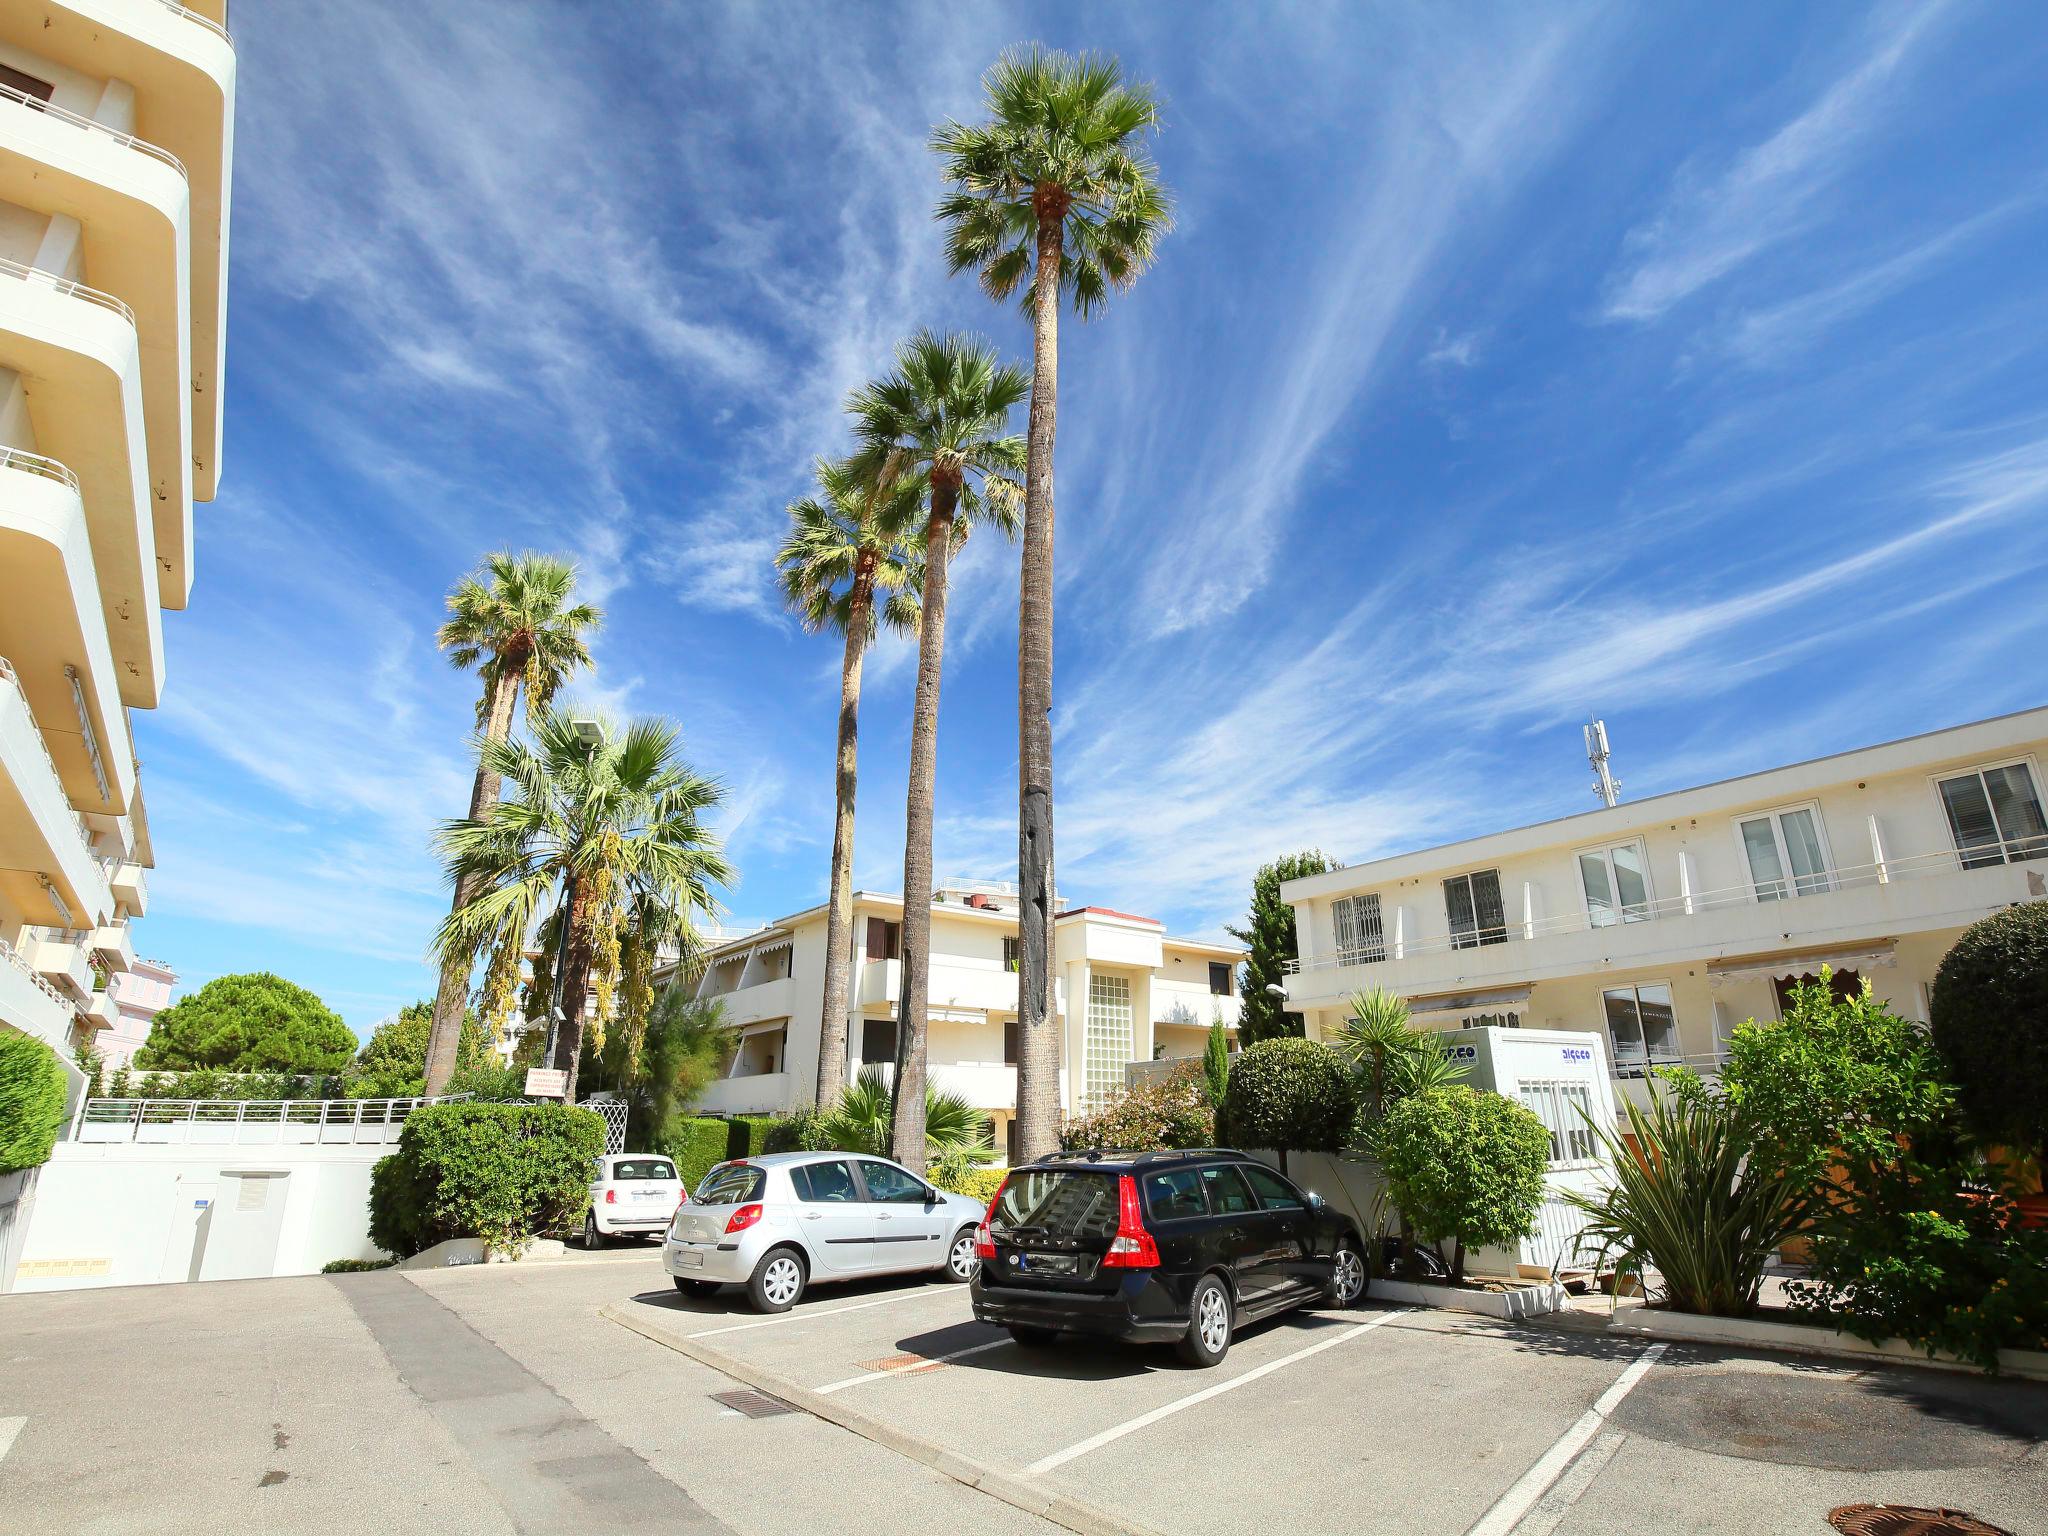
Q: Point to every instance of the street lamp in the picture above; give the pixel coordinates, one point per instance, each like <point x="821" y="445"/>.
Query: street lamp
<point x="589" y="731"/>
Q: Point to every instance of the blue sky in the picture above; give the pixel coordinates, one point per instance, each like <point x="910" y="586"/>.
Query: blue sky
<point x="1505" y="367"/>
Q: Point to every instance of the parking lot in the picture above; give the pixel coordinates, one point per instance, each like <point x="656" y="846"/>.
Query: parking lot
<point x="1388" y="1420"/>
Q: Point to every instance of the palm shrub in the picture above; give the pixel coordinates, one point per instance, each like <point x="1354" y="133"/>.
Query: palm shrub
<point x="1689" y="1201"/>
<point x="1290" y="1095"/>
<point x="31" y="1101"/>
<point x="861" y="1120"/>
<point x="1390" y="1059"/>
<point x="1147" y="1116"/>
<point x="1464" y="1168"/>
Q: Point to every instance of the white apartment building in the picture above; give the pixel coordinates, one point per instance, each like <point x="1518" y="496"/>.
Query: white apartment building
<point x="116" y="137"/>
<point x="1140" y="995"/>
<point x="1662" y="923"/>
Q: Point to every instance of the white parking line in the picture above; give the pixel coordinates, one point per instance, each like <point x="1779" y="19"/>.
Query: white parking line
<point x="9" y="1428"/>
<point x="1131" y="1426"/>
<point x="1534" y="1483"/>
<point x="797" y="1317"/>
<point x="1551" y="1509"/>
<point x="913" y="1368"/>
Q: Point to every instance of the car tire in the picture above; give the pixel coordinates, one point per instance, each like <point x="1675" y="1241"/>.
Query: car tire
<point x="1207" y="1340"/>
<point x="1034" y="1338"/>
<point x="778" y="1280"/>
<point x="592" y="1238"/>
<point x="956" y="1269"/>
<point x="698" y="1288"/>
<point x="1348" y="1278"/>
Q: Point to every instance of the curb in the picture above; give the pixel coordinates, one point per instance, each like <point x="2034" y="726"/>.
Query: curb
<point x="1811" y="1340"/>
<point x="1059" y="1508"/>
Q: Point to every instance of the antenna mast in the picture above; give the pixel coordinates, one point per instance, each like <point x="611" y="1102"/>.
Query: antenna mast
<point x="1605" y="784"/>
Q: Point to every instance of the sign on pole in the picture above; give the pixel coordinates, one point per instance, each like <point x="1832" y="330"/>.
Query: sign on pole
<point x="546" y="1082"/>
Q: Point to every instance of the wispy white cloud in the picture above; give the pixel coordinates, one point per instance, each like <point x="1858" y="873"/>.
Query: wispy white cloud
<point x="1454" y="351"/>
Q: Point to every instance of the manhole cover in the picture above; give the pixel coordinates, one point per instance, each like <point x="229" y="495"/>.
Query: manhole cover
<point x="1907" y="1520"/>
<point x="755" y="1405"/>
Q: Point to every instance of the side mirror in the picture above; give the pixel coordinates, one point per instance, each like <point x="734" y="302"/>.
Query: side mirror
<point x="1316" y="1202"/>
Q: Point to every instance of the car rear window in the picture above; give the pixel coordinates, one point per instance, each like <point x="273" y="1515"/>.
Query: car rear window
<point x="643" y="1168"/>
<point x="732" y="1185"/>
<point x="1059" y="1202"/>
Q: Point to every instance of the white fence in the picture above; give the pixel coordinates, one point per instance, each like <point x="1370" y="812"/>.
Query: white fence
<point x="245" y="1122"/>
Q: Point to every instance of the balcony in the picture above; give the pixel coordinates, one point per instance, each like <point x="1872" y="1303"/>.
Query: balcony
<point x="1920" y="892"/>
<point x="130" y="884"/>
<point x="983" y="988"/>
<point x="113" y="947"/>
<point x="30" y="1003"/>
<point x="762" y="1000"/>
<point x="757" y="1093"/>
<point x="62" y="958"/>
<point x="1191" y="1003"/>
<point x="100" y="1013"/>
<point x="47" y="869"/>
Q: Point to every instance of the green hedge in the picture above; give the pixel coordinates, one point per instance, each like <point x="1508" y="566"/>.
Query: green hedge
<point x="31" y="1101"/>
<point x="695" y="1144"/>
<point x="975" y="1183"/>
<point x="503" y="1172"/>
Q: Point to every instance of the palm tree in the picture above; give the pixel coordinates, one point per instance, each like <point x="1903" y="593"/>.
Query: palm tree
<point x="1056" y="188"/>
<point x="860" y="1120"/>
<point x="941" y="417"/>
<point x="614" y="823"/>
<point x="846" y="563"/>
<point x="511" y="620"/>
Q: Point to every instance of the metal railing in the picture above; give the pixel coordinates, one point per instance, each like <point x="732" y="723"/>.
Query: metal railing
<point x="14" y="958"/>
<point x="207" y="22"/>
<point x="70" y="287"/>
<point x="1751" y="893"/>
<point x="13" y="681"/>
<point x="257" y="1122"/>
<point x="1637" y="1068"/>
<point x="79" y="120"/>
<point x="36" y="464"/>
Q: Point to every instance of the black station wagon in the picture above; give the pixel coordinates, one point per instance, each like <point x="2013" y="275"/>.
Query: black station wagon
<point x="1182" y="1247"/>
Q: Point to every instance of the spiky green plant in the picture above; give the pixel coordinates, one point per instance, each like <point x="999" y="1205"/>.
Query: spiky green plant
<point x="861" y="1121"/>
<point x="1389" y="1056"/>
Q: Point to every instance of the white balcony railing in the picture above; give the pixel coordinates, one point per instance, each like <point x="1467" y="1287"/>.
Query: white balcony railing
<point x="93" y="125"/>
<point x="207" y="22"/>
<point x="69" y="287"/>
<point x="35" y="464"/>
<point x="1687" y="903"/>
<point x="258" y="1122"/>
<point x="12" y="680"/>
<point x="12" y="956"/>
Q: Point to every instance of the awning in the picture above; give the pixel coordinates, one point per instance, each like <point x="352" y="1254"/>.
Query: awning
<point x="1802" y="962"/>
<point x="771" y="946"/>
<point x="1471" y="1002"/>
<point x="773" y="1026"/>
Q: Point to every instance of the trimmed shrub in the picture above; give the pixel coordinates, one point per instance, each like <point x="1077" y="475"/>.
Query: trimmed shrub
<point x="803" y="1130"/>
<point x="975" y="1183"/>
<point x="747" y="1135"/>
<point x="1463" y="1167"/>
<point x="695" y="1144"/>
<point x="1990" y="1011"/>
<point x="1289" y="1096"/>
<point x="31" y="1101"/>
<point x="254" y="1022"/>
<point x="354" y="1266"/>
<point x="506" y="1173"/>
<point x="1148" y="1116"/>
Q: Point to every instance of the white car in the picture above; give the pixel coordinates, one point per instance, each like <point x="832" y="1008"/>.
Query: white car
<point x="634" y="1192"/>
<point x="781" y="1223"/>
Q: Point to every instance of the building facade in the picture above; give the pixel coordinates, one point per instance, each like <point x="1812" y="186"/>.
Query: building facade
<point x="1662" y="923"/>
<point x="116" y="139"/>
<point x="140" y="994"/>
<point x="1125" y="990"/>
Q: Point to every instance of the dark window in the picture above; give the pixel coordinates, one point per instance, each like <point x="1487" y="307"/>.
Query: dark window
<point x="643" y="1168"/>
<point x="1473" y="904"/>
<point x="1175" y="1193"/>
<point x="731" y="1184"/>
<point x="1219" y="978"/>
<point x="890" y="1185"/>
<point x="1845" y="985"/>
<point x="877" y="1041"/>
<point x="1059" y="1202"/>
<point x="1011" y="949"/>
<point x="1010" y="1130"/>
<point x="885" y="939"/>
<point x="824" y="1183"/>
<point x="1274" y="1192"/>
<point x="1228" y="1194"/>
<point x="28" y="85"/>
<point x="1009" y="1042"/>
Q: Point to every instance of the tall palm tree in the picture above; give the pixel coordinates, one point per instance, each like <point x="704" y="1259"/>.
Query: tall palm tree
<point x="1055" y="194"/>
<point x="845" y="564"/>
<point x="939" y="416"/>
<point x="613" y="822"/>
<point x="512" y="621"/>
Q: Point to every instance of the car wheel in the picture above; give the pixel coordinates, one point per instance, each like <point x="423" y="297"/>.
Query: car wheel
<point x="592" y="1238"/>
<point x="697" y="1288"/>
<point x="1208" y="1336"/>
<point x="1347" y="1275"/>
<point x="777" y="1282"/>
<point x="961" y="1261"/>
<point x="1034" y="1338"/>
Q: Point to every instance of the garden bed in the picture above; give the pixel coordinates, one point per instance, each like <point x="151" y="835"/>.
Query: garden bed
<point x="1505" y="1299"/>
<point x="1805" y="1338"/>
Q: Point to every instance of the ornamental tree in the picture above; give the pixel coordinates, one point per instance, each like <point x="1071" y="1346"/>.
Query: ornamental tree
<point x="249" y="1023"/>
<point x="1464" y="1167"/>
<point x="393" y="1061"/>
<point x="1269" y="935"/>
<point x="1990" y="1010"/>
<point x="1289" y="1095"/>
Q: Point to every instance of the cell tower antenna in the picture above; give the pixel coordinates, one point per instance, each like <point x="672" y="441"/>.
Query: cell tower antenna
<point x="1605" y="784"/>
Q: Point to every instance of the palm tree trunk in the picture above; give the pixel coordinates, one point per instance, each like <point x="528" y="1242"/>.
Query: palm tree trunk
<point x="832" y="1025"/>
<point x="580" y="951"/>
<point x="451" y="996"/>
<point x="907" y="1137"/>
<point x="1038" y="1025"/>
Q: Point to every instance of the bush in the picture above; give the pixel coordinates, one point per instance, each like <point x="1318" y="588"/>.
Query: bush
<point x="354" y="1266"/>
<point x="695" y="1145"/>
<point x="393" y="1061"/>
<point x="1990" y="1010"/>
<point x="1289" y="1096"/>
<point x="31" y="1101"/>
<point x="505" y="1173"/>
<point x="249" y="1023"/>
<point x="975" y="1183"/>
<point x="861" y="1120"/>
<point x="802" y="1130"/>
<point x="1148" y="1116"/>
<point x="1463" y="1166"/>
<point x="213" y="1083"/>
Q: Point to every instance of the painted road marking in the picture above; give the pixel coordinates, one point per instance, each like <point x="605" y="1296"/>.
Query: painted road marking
<point x="797" y="1317"/>
<point x="1131" y="1426"/>
<point x="1550" y="1466"/>
<point x="9" y="1428"/>
<point x="913" y="1368"/>
<point x="1551" y="1509"/>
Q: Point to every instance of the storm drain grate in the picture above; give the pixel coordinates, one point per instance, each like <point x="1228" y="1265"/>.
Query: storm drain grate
<point x="755" y="1405"/>
<point x="1908" y="1520"/>
<point x="894" y="1362"/>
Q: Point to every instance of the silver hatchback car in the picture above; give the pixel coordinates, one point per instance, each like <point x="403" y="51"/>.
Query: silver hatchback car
<point x="780" y="1223"/>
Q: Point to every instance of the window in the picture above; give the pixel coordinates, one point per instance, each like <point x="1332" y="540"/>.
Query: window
<point x="877" y="1041"/>
<point x="28" y="85"/>
<point x="1012" y="948"/>
<point x="1642" y="1027"/>
<point x="643" y="1168"/>
<point x="885" y="939"/>
<point x="1174" y="1194"/>
<point x="889" y="1185"/>
<point x="1617" y="884"/>
<point x="1782" y="844"/>
<point x="824" y="1183"/>
<point x="1219" y="978"/>
<point x="1059" y="1203"/>
<point x="1360" y="938"/>
<point x="1473" y="904"/>
<point x="1274" y="1193"/>
<point x="1228" y="1193"/>
<point x="1842" y="985"/>
<point x="1563" y="1108"/>
<point x="731" y="1184"/>
<point x="1994" y="814"/>
<point x="1509" y="1020"/>
<point x="1009" y="1042"/>
<point x="1108" y="1039"/>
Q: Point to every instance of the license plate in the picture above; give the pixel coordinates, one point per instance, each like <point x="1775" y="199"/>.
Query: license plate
<point x="689" y="1258"/>
<point x="1045" y="1263"/>
<point x="647" y="1194"/>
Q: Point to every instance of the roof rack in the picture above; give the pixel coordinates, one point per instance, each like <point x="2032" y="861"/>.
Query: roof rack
<point x="1126" y="1155"/>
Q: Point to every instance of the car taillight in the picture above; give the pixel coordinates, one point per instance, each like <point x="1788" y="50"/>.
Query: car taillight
<point x="611" y="1197"/>
<point x="984" y="1240"/>
<point x="743" y="1218"/>
<point x="1132" y="1247"/>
